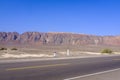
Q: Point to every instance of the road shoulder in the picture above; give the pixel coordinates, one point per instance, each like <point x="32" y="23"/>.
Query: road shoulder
<point x="105" y="75"/>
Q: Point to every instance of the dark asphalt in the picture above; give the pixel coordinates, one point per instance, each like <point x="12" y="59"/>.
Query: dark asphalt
<point x="57" y="69"/>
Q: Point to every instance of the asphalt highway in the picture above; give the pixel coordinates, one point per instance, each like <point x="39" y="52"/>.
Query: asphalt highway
<point x="57" y="69"/>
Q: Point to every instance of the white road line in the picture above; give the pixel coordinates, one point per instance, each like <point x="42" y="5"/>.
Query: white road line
<point x="73" y="78"/>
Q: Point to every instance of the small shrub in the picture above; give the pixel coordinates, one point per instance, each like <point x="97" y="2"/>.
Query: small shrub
<point x="14" y="49"/>
<point x="3" y="48"/>
<point x="108" y="51"/>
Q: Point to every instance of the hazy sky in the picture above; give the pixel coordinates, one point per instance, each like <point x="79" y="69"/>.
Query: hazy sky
<point x="99" y="17"/>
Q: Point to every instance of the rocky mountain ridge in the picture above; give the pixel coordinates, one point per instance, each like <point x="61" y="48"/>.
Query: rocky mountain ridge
<point x="52" y="38"/>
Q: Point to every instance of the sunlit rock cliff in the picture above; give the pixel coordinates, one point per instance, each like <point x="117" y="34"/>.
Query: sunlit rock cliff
<point x="38" y="38"/>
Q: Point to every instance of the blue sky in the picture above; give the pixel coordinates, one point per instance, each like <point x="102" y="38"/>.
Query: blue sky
<point x="97" y="17"/>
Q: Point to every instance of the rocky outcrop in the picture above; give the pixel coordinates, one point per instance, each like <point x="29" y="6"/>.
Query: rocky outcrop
<point x="37" y="38"/>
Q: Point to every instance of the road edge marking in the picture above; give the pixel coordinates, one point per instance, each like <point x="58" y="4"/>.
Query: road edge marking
<point x="88" y="75"/>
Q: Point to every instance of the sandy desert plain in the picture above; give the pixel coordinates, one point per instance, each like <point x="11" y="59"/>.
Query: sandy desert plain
<point x="54" y="51"/>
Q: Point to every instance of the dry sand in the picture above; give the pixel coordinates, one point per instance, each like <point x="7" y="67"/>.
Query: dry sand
<point x="43" y="53"/>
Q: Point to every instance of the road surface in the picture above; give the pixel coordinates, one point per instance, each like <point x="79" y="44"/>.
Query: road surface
<point x="57" y="69"/>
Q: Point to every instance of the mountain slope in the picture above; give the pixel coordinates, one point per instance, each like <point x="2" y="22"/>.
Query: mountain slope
<point x="38" y="38"/>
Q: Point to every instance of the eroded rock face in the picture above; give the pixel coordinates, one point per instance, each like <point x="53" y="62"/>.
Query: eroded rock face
<point x="37" y="38"/>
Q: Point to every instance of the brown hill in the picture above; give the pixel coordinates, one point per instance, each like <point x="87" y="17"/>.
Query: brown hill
<point x="37" y="38"/>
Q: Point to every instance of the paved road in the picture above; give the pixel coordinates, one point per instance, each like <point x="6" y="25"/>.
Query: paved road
<point x="56" y="69"/>
<point x="113" y="74"/>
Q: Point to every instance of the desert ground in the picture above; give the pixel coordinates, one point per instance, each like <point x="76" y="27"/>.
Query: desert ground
<point x="53" y="51"/>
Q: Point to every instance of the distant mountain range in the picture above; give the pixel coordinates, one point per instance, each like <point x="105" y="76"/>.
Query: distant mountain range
<point x="38" y="38"/>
